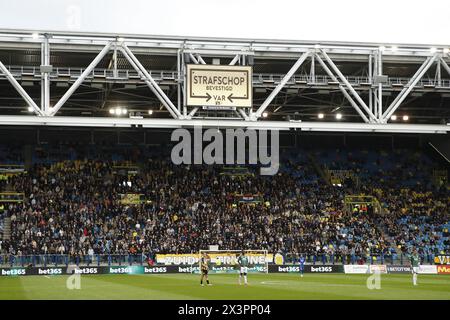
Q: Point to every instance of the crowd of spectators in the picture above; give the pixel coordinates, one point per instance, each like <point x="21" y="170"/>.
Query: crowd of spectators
<point x="74" y="208"/>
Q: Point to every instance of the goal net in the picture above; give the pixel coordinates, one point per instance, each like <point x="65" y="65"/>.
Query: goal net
<point x="225" y="261"/>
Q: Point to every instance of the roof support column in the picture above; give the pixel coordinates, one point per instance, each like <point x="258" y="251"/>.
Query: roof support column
<point x="380" y="86"/>
<point x="45" y="76"/>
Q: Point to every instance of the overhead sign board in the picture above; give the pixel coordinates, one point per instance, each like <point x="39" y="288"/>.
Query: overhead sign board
<point x="224" y="86"/>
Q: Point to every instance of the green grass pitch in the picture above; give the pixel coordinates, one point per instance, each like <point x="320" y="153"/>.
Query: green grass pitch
<point x="225" y="286"/>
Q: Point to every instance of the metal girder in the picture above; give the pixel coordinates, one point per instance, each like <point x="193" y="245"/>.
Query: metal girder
<point x="294" y="68"/>
<point x="240" y="111"/>
<point x="219" y="52"/>
<point x="243" y="114"/>
<point x="222" y="123"/>
<point x="193" y="111"/>
<point x="370" y="71"/>
<point x="380" y="85"/>
<point x="150" y="81"/>
<point x="200" y="59"/>
<point x="151" y="42"/>
<point x="344" y="92"/>
<point x="19" y="89"/>
<point x="445" y="65"/>
<point x="349" y="86"/>
<point x="238" y="49"/>
<point x="136" y="65"/>
<point x="407" y="89"/>
<point x="193" y="58"/>
<point x="179" y="81"/>
<point x="80" y="80"/>
<point x="350" y="53"/>
<point x="197" y="60"/>
<point x="235" y="60"/>
<point x="171" y="77"/>
<point x="438" y="76"/>
<point x="45" y="77"/>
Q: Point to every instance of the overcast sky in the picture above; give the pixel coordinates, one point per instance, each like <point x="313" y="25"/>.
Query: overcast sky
<point x="389" y="21"/>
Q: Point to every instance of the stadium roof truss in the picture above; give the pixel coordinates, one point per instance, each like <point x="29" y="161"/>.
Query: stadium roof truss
<point x="293" y="82"/>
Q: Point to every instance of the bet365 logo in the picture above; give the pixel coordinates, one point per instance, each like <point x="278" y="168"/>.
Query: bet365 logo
<point x="13" y="272"/>
<point x="321" y="269"/>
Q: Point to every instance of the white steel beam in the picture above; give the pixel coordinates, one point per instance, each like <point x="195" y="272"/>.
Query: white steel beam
<point x="194" y="59"/>
<point x="407" y="89"/>
<point x="280" y="86"/>
<point x="193" y="111"/>
<point x="211" y="43"/>
<point x="380" y="86"/>
<point x="150" y="85"/>
<point x="150" y="81"/>
<point x="198" y="60"/>
<point x="235" y="60"/>
<point x="177" y="123"/>
<point x="45" y="77"/>
<point x="19" y="89"/>
<point x="219" y="52"/>
<point x="438" y="75"/>
<point x="411" y="80"/>
<point x="243" y="114"/>
<point x="445" y="65"/>
<point x="312" y="70"/>
<point x="179" y="83"/>
<point x="348" y="85"/>
<point x="241" y="111"/>
<point x="370" y="67"/>
<point x="182" y="79"/>
<point x="344" y="92"/>
<point x="80" y="80"/>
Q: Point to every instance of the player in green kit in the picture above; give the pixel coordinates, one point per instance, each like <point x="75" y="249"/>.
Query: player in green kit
<point x="414" y="259"/>
<point x="243" y="264"/>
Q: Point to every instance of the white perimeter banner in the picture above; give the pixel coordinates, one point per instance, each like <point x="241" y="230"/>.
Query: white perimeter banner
<point x="428" y="269"/>
<point x="381" y="268"/>
<point x="356" y="268"/>
<point x="361" y="269"/>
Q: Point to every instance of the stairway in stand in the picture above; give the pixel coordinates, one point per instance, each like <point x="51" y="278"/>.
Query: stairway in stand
<point x="7" y="228"/>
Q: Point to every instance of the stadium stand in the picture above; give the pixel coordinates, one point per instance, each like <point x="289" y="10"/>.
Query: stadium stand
<point x="75" y="208"/>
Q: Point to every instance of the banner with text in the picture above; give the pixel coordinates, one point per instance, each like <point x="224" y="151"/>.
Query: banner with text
<point x="223" y="258"/>
<point x="218" y="85"/>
